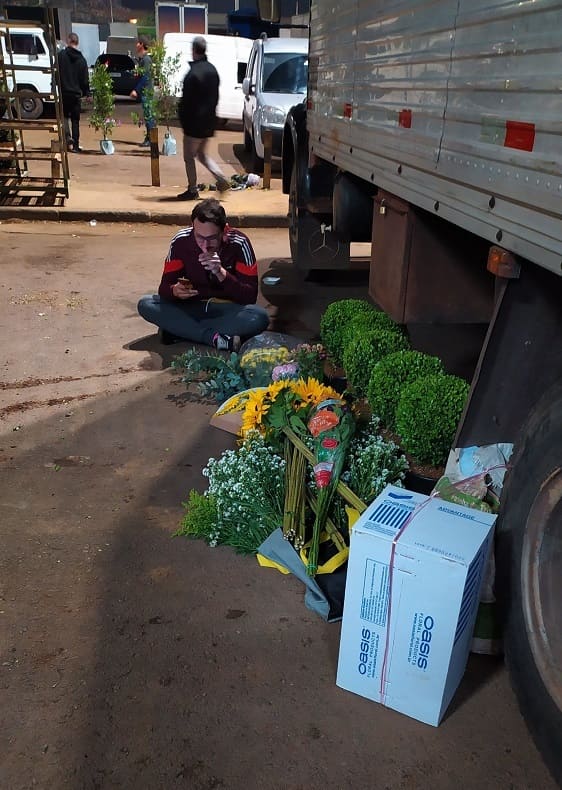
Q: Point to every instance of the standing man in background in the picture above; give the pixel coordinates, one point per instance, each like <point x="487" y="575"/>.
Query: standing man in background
<point x="144" y="89"/>
<point x="74" y="81"/>
<point x="197" y="113"/>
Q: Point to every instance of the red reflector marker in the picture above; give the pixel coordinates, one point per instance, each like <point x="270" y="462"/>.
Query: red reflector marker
<point x="405" y="119"/>
<point x="347" y="110"/>
<point x="519" y="135"/>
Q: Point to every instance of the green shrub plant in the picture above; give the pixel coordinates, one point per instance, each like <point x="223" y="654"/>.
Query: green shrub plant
<point x="390" y="376"/>
<point x="334" y="321"/>
<point x="427" y="416"/>
<point x="362" y="354"/>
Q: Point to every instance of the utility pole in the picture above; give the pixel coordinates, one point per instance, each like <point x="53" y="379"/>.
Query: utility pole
<point x="111" y="10"/>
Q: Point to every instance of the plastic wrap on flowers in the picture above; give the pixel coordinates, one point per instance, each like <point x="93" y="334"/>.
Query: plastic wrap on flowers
<point x="261" y="354"/>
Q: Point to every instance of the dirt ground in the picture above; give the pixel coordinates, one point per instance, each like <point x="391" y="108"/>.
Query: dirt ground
<point x="133" y="659"/>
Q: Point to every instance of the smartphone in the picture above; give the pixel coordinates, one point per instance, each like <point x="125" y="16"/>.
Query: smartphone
<point x="186" y="282"/>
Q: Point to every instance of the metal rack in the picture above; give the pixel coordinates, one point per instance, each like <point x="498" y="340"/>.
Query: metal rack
<point x="23" y="179"/>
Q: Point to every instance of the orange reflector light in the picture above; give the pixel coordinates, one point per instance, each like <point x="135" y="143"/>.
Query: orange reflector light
<point x="503" y="263"/>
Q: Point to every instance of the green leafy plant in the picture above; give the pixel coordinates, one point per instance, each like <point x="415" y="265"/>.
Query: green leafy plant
<point x="215" y="376"/>
<point x="427" y="416"/>
<point x="101" y="117"/>
<point x="362" y="354"/>
<point x="201" y="518"/>
<point x="365" y="322"/>
<point x="160" y="101"/>
<point x="334" y="321"/>
<point x="391" y="375"/>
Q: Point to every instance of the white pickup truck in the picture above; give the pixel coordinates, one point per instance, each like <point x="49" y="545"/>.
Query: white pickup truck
<point x="433" y="130"/>
<point x="26" y="58"/>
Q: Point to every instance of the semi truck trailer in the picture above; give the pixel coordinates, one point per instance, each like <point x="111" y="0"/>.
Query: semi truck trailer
<point x="433" y="129"/>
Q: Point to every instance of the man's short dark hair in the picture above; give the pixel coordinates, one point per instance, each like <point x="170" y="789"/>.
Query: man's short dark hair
<point x="199" y="45"/>
<point x="210" y="210"/>
<point x="145" y="41"/>
<point x="73" y="39"/>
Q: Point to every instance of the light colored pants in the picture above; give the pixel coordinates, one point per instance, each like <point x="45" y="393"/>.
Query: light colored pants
<point x="196" y="147"/>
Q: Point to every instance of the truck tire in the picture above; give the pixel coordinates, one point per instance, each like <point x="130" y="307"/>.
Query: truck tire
<point x="529" y="582"/>
<point x="257" y="161"/>
<point x="247" y="139"/>
<point x="312" y="245"/>
<point x="31" y="105"/>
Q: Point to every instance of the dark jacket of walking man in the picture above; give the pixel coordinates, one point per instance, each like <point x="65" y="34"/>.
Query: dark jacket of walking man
<point x="144" y="89"/>
<point x="74" y="81"/>
<point x="197" y="113"/>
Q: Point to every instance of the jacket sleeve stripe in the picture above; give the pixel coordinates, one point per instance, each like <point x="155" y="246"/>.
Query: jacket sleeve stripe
<point x="173" y="266"/>
<point x="248" y="271"/>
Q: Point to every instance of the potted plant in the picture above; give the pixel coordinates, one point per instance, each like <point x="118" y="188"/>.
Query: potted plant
<point x="101" y="117"/>
<point x="390" y="376"/>
<point x="161" y="100"/>
<point x="427" y="416"/>
<point x="334" y="321"/>
<point x="363" y="352"/>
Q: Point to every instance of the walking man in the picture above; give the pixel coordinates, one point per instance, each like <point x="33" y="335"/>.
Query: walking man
<point x="198" y="117"/>
<point x="209" y="285"/>
<point x="144" y="89"/>
<point x="74" y="81"/>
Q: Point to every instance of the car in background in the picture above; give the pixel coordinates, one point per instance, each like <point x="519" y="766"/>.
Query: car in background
<point x="275" y="81"/>
<point x="121" y="69"/>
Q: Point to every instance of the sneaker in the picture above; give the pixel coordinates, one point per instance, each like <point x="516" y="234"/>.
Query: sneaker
<point x="167" y="338"/>
<point x="226" y="342"/>
<point x="189" y="194"/>
<point x="223" y="185"/>
<point x="145" y="144"/>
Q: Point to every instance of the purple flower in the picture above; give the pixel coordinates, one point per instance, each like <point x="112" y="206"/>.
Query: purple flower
<point x="284" y="372"/>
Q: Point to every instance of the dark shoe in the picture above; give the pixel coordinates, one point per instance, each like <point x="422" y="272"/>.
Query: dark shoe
<point x="226" y="342"/>
<point x="76" y="149"/>
<point x="145" y="144"/>
<point x="189" y="194"/>
<point x="168" y="339"/>
<point x="223" y="185"/>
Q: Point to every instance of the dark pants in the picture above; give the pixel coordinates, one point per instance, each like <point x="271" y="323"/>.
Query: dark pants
<point x="198" y="321"/>
<point x="71" y="112"/>
<point x="149" y="119"/>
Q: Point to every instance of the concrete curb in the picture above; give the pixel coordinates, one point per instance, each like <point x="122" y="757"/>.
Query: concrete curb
<point x="39" y="214"/>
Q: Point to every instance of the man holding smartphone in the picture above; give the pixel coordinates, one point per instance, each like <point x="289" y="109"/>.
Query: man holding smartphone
<point x="209" y="285"/>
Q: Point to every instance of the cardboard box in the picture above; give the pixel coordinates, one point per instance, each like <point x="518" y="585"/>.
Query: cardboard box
<point x="415" y="568"/>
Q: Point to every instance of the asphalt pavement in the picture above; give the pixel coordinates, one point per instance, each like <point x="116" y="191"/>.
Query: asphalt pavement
<point x="121" y="187"/>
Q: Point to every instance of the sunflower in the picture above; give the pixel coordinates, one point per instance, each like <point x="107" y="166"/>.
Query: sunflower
<point x="312" y="392"/>
<point x="257" y="406"/>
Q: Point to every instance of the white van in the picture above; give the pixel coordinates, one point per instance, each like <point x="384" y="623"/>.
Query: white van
<point x="228" y="54"/>
<point x="28" y="48"/>
<point x="276" y="80"/>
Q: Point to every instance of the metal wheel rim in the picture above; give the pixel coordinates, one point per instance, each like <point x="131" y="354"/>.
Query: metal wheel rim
<point x="28" y="105"/>
<point x="541" y="571"/>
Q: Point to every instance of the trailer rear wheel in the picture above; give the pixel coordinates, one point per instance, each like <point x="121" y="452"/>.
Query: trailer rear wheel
<point x="530" y="576"/>
<point x="313" y="243"/>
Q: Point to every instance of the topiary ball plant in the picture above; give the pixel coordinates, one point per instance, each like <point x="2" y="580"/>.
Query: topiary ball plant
<point x="391" y="375"/>
<point x="427" y="416"/>
<point x="363" y="353"/>
<point x="365" y="322"/>
<point x="335" y="319"/>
